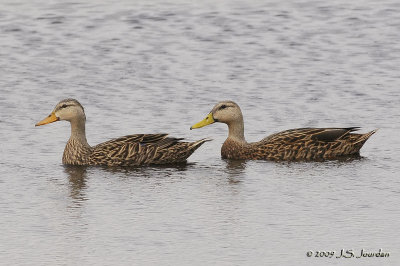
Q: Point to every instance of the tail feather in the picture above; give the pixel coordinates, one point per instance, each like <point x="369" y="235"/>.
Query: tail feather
<point x="193" y="146"/>
<point x="365" y="137"/>
<point x="179" y="152"/>
<point x="200" y="142"/>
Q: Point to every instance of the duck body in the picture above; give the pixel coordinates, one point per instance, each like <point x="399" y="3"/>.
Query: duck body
<point x="130" y="150"/>
<point x="302" y="144"/>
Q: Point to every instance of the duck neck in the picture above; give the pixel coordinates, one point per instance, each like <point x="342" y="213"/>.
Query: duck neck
<point x="236" y="130"/>
<point x="77" y="150"/>
<point x="78" y="133"/>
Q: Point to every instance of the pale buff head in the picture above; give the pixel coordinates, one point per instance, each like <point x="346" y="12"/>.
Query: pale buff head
<point x="227" y="112"/>
<point x="68" y="109"/>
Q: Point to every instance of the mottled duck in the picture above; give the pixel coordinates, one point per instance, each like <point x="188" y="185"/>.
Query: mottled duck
<point x="131" y="150"/>
<point x="302" y="144"/>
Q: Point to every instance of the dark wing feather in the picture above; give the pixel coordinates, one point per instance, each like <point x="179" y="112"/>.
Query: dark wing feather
<point x="332" y="134"/>
<point x="304" y="134"/>
<point x="142" y="138"/>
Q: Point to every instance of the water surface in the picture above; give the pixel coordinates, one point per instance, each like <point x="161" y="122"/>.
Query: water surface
<point x="160" y="66"/>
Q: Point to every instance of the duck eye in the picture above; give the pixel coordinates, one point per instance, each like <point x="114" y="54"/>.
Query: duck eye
<point x="63" y="106"/>
<point x="222" y="107"/>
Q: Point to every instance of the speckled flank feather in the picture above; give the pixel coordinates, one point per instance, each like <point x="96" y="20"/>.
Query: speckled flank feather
<point x="131" y="150"/>
<point x="299" y="144"/>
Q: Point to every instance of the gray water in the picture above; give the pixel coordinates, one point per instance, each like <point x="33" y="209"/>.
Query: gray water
<point x="160" y="66"/>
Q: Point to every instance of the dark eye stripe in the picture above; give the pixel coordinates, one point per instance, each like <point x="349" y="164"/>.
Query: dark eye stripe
<point x="223" y="107"/>
<point x="64" y="105"/>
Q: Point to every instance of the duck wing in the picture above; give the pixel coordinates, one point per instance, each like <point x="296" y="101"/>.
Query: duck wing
<point x="307" y="134"/>
<point x="142" y="149"/>
<point x="130" y="150"/>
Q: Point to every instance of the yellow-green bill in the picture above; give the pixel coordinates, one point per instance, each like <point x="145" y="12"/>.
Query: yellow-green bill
<point x="205" y="122"/>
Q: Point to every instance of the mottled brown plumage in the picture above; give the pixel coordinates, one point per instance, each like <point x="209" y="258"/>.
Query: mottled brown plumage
<point x="131" y="150"/>
<point x="291" y="145"/>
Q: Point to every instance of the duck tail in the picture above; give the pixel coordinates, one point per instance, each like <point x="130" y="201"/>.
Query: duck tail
<point x="200" y="142"/>
<point x="363" y="138"/>
<point x="194" y="146"/>
<point x="185" y="149"/>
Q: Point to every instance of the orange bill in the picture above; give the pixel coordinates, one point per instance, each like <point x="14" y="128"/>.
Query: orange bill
<point x="50" y="119"/>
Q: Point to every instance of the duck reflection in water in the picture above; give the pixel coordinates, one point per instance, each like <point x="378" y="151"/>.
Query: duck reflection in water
<point x="77" y="181"/>
<point x="235" y="169"/>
